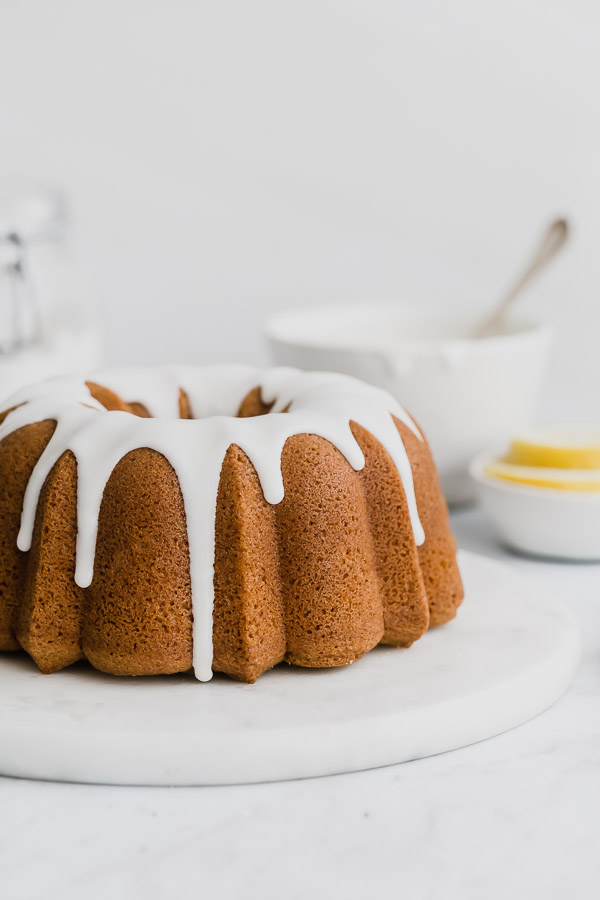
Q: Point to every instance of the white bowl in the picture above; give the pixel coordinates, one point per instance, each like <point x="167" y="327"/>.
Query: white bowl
<point x="536" y="520"/>
<point x="466" y="394"/>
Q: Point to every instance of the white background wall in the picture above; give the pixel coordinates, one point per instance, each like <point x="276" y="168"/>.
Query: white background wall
<point x="229" y="158"/>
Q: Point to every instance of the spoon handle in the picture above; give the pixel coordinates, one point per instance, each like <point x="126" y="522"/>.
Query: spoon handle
<point x="553" y="240"/>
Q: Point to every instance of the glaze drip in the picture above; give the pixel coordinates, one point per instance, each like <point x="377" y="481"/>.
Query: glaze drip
<point x="317" y="403"/>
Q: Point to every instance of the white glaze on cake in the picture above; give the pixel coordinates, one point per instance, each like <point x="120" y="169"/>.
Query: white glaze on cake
<point x="318" y="403"/>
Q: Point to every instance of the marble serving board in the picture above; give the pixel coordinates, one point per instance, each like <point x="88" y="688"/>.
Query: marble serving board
<point x="508" y="655"/>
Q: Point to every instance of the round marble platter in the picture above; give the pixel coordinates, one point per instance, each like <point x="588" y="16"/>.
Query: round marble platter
<point x="508" y="655"/>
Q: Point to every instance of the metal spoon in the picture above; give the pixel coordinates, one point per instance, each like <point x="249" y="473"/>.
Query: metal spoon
<point x="554" y="239"/>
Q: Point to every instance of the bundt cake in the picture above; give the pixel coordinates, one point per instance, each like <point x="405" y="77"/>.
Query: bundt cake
<point x="221" y="518"/>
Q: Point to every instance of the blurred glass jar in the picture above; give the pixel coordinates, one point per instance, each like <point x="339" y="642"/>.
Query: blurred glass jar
<point x="46" y="327"/>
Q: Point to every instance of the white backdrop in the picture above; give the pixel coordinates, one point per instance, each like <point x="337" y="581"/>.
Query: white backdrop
<point x="229" y="158"/>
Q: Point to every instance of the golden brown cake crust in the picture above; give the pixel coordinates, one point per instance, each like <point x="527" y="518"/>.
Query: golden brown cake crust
<point x="331" y="593"/>
<point x="437" y="555"/>
<point x="405" y="607"/>
<point x="19" y="452"/>
<point x="48" y="624"/>
<point x="248" y="618"/>
<point x="138" y="615"/>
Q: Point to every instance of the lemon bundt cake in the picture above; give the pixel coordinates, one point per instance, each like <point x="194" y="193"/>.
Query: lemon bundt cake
<point x="221" y="518"/>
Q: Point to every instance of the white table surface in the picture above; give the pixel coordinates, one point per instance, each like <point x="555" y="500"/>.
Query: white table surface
<point x="516" y="816"/>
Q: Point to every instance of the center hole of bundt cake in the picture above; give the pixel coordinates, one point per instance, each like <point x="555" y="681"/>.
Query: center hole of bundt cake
<point x="251" y="405"/>
<point x="111" y="401"/>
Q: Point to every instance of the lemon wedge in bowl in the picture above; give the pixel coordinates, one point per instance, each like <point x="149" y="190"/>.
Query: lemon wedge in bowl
<point x="557" y="447"/>
<point x="562" y="479"/>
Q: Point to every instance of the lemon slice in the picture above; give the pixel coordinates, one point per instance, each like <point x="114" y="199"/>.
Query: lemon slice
<point x="542" y="476"/>
<point x="558" y="447"/>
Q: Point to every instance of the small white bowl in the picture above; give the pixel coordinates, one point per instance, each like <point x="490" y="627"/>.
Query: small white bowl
<point x="536" y="520"/>
<point x="466" y="394"/>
